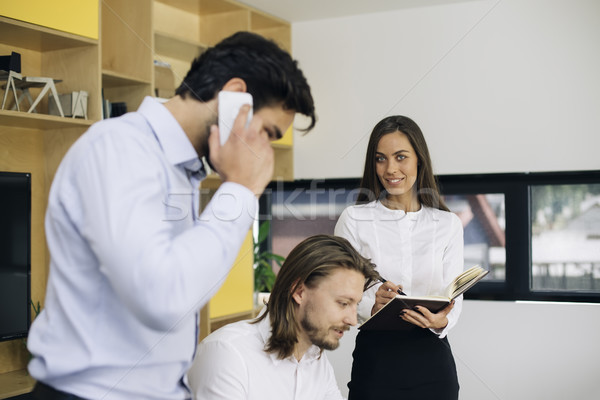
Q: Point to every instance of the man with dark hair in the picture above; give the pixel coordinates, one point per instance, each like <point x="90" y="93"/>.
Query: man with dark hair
<point x="132" y="259"/>
<point x="269" y="73"/>
<point x="279" y="355"/>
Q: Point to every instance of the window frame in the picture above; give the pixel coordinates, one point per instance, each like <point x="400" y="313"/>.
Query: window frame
<point x="516" y="188"/>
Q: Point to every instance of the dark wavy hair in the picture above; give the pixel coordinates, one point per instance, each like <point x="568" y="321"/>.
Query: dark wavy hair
<point x="270" y="73"/>
<point x="371" y="188"/>
<point x="308" y="263"/>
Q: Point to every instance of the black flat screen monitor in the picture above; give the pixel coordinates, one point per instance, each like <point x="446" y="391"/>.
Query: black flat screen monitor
<point x="15" y="245"/>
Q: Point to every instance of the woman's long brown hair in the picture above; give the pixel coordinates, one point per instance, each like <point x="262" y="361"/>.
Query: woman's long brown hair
<point x="427" y="188"/>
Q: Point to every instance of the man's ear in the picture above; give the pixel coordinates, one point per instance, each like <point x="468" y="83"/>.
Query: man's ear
<point x="299" y="293"/>
<point x="235" y="85"/>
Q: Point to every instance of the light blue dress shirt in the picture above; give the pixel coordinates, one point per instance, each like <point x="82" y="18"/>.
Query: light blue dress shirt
<point x="132" y="261"/>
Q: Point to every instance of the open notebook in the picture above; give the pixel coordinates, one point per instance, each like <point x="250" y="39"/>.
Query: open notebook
<point x="387" y="318"/>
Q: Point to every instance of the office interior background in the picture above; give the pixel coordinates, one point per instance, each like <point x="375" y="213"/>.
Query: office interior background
<point x="498" y="86"/>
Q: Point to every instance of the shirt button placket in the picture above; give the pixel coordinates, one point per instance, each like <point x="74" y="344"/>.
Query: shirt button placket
<point x="298" y="381"/>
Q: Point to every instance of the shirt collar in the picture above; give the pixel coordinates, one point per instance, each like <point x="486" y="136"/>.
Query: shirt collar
<point x="264" y="328"/>
<point x="412" y="215"/>
<point x="175" y="144"/>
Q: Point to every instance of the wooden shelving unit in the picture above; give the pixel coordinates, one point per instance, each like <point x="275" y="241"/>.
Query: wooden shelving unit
<point x="126" y="46"/>
<point x="118" y="66"/>
<point x="36" y="142"/>
<point x="175" y="47"/>
<point x="15" y="383"/>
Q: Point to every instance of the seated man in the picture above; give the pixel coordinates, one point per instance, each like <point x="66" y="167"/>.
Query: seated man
<point x="279" y="355"/>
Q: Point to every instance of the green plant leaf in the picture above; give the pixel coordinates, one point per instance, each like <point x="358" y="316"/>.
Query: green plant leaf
<point x="264" y="277"/>
<point x="274" y="257"/>
<point x="263" y="231"/>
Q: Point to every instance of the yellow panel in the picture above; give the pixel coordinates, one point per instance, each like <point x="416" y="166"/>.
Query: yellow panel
<point x="236" y="294"/>
<point x="79" y="17"/>
<point x="287" y="139"/>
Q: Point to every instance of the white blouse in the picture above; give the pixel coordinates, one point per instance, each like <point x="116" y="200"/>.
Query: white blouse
<point x="422" y="251"/>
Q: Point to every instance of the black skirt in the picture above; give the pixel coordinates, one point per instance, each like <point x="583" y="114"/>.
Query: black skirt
<point x="407" y="365"/>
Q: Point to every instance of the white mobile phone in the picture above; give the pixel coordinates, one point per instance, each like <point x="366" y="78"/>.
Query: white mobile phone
<point x="229" y="108"/>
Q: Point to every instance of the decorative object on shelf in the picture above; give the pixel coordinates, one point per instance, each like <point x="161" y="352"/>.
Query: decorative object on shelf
<point x="74" y="104"/>
<point x="25" y="83"/>
<point x="11" y="63"/>
<point x="164" y="80"/>
<point x="10" y="69"/>
<point x="10" y="77"/>
<point x="47" y="84"/>
<point x="117" y="109"/>
<point x="264" y="277"/>
<point x="112" y="110"/>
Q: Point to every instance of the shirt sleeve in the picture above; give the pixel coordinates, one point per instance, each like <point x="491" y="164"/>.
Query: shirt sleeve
<point x="218" y="372"/>
<point x="453" y="265"/>
<point x="346" y="228"/>
<point x="122" y="215"/>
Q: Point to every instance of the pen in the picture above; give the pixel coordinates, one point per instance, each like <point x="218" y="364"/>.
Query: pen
<point x="382" y="280"/>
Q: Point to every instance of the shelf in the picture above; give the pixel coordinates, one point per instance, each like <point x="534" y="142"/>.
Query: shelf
<point x="15" y="383"/>
<point x="38" y="38"/>
<point x="117" y="79"/>
<point x="260" y="21"/>
<point x="202" y="6"/>
<point x="21" y="119"/>
<point x="177" y="47"/>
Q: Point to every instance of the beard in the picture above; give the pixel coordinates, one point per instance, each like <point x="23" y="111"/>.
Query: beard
<point x="320" y="336"/>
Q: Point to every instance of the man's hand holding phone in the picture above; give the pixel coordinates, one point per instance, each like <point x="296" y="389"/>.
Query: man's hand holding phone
<point x="240" y="149"/>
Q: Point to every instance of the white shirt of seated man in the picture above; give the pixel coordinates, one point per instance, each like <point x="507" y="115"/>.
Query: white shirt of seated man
<point x="232" y="363"/>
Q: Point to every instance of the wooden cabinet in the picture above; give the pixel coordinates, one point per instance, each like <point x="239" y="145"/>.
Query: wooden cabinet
<point x="126" y="47"/>
<point x="56" y="15"/>
<point x="111" y="56"/>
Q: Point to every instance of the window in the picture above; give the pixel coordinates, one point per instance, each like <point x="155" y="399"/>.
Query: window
<point x="299" y="209"/>
<point x="484" y="225"/>
<point x="565" y="237"/>
<point x="551" y="226"/>
<point x="537" y="233"/>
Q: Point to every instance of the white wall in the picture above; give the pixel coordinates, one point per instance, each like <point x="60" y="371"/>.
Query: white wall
<point x="496" y="86"/>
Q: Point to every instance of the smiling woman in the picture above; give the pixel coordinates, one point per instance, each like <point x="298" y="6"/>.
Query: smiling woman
<point x="403" y="226"/>
<point x="396" y="164"/>
<point x="404" y="142"/>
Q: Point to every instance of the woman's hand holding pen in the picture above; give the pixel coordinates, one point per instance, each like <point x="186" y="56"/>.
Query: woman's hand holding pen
<point x="386" y="292"/>
<point x="424" y="318"/>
